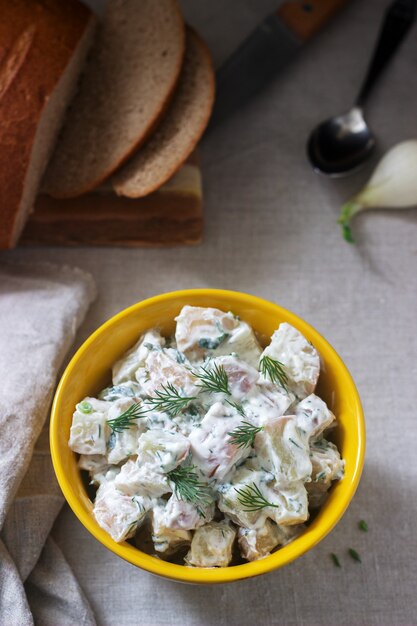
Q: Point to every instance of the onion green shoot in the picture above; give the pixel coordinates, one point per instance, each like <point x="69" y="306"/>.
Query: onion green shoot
<point x="335" y="559"/>
<point x="274" y="370"/>
<point x="169" y="400"/>
<point x="363" y="525"/>
<point x="127" y="419"/>
<point x="244" y="436"/>
<point x="252" y="499"/>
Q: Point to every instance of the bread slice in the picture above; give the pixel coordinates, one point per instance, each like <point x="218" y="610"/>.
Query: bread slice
<point x="42" y="49"/>
<point x="179" y="132"/>
<point x="129" y="80"/>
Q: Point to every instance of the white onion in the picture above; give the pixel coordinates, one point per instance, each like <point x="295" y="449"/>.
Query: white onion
<point x="392" y="185"/>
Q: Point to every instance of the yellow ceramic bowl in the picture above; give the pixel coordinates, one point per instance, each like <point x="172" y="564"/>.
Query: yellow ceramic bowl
<point x="89" y="371"/>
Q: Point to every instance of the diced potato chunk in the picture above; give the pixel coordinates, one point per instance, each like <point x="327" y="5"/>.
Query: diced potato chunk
<point x="285" y="505"/>
<point x="203" y="332"/>
<point x="89" y="428"/>
<point x="125" y="368"/>
<point x="327" y="466"/>
<point x="141" y="479"/>
<point x="166" y="539"/>
<point x="93" y="462"/>
<point x="122" y="445"/>
<point x="247" y="475"/>
<point x="119" y="514"/>
<point x="212" y="450"/>
<point x="300" y="359"/>
<point x="266" y="402"/>
<point x="162" y="450"/>
<point x="326" y="460"/>
<point x="98" y="468"/>
<point x="212" y="545"/>
<point x="313" y="416"/>
<point x="283" y="450"/>
<point x="291" y="504"/>
<point x="257" y="543"/>
<point x="183" y="515"/>
<point x="160" y="368"/>
<point x="241" y="376"/>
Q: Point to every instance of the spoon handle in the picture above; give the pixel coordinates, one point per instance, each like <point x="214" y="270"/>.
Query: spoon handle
<point x="398" y="19"/>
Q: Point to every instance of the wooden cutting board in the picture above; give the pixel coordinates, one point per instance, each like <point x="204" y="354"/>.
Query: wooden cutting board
<point x="172" y="215"/>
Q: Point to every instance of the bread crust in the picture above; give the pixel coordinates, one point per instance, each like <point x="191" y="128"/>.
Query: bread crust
<point x="126" y="190"/>
<point x="37" y="41"/>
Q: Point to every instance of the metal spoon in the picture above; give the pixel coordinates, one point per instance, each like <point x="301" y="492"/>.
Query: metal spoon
<point x="341" y="144"/>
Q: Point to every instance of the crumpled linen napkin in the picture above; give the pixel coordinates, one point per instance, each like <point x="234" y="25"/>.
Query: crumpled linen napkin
<point x="41" y="307"/>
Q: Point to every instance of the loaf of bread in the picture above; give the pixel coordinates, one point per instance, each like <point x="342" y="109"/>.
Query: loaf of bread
<point x="43" y="44"/>
<point x="180" y="130"/>
<point x="129" y="80"/>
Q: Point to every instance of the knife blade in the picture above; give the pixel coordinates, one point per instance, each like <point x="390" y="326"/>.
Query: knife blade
<point x="269" y="48"/>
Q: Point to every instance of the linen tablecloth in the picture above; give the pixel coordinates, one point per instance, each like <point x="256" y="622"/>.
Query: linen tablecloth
<point x="271" y="230"/>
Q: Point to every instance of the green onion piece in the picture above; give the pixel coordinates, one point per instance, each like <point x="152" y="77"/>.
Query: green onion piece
<point x="363" y="525"/>
<point x="335" y="559"/>
<point x="84" y="407"/>
<point x="355" y="556"/>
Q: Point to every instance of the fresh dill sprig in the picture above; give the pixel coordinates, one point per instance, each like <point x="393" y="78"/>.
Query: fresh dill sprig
<point x="252" y="498"/>
<point x="275" y="370"/>
<point x="335" y="559"/>
<point x="355" y="556"/>
<point x="237" y="406"/>
<point x="187" y="486"/>
<point x="169" y="400"/>
<point x="127" y="419"/>
<point x="244" y="436"/>
<point x="214" y="379"/>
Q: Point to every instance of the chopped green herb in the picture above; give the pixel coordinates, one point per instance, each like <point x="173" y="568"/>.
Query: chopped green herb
<point x="275" y="370"/>
<point x="84" y="407"/>
<point x="125" y="420"/>
<point x="335" y="559"/>
<point x="363" y="525"/>
<point x="294" y="443"/>
<point x="214" y="380"/>
<point x="252" y="499"/>
<point x="244" y="436"/>
<point x="114" y="393"/>
<point x="355" y="556"/>
<point x="212" y="344"/>
<point x="169" y="400"/>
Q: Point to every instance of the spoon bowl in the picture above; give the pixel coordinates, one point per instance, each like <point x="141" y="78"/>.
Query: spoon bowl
<point x="340" y="144"/>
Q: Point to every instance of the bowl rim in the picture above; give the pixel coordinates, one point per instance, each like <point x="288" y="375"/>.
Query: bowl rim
<point x="181" y="573"/>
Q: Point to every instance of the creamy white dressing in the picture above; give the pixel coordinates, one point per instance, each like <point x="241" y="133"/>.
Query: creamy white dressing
<point x="238" y="459"/>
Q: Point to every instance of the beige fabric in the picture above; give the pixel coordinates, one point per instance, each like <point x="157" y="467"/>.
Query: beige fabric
<point x="41" y="307"/>
<point x="271" y="230"/>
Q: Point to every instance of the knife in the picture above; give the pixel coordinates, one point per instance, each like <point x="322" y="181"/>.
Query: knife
<point x="267" y="50"/>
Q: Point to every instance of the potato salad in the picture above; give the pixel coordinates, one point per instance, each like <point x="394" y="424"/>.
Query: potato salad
<point x="209" y="444"/>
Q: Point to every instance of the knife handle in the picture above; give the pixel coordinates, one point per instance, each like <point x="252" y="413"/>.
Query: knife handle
<point x="305" y="17"/>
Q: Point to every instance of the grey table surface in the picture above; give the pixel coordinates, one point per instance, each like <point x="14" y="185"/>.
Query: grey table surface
<point x="270" y="230"/>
